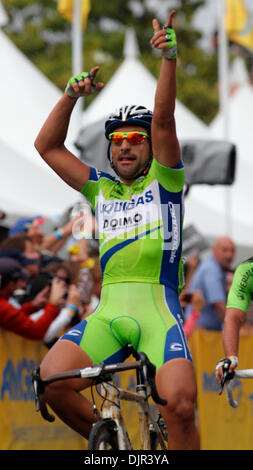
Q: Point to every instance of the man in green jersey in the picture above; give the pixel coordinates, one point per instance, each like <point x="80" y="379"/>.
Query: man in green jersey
<point x="139" y="216"/>
<point x="239" y="298"/>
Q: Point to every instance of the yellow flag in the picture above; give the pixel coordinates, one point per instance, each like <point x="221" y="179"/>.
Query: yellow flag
<point x="65" y="9"/>
<point x="239" y="23"/>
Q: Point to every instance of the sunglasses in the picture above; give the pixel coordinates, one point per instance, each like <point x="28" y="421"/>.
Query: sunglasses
<point x="133" y="138"/>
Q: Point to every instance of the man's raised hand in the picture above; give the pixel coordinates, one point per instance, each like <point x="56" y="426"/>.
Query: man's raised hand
<point x="165" y="39"/>
<point x="83" y="84"/>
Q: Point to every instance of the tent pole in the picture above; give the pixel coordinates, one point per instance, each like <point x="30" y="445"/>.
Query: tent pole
<point x="77" y="62"/>
<point x="224" y="98"/>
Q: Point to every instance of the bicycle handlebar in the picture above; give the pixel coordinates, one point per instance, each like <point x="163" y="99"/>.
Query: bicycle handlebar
<point x="229" y="394"/>
<point x="227" y="381"/>
<point x="101" y="373"/>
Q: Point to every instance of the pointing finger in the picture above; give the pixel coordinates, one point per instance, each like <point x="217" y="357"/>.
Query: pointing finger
<point x="169" y="19"/>
<point x="94" y="71"/>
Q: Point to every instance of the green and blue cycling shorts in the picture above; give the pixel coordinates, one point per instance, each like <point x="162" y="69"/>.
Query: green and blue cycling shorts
<point x="146" y="315"/>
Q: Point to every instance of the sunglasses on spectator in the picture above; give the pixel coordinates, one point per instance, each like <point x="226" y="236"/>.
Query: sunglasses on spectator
<point x="132" y="138"/>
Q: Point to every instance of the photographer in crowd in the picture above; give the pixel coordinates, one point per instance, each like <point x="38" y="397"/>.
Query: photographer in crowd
<point x="69" y="304"/>
<point x="18" y="320"/>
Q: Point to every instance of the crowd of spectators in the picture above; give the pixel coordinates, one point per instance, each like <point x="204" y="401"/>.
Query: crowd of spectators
<point x="48" y="281"/>
<point x="42" y="292"/>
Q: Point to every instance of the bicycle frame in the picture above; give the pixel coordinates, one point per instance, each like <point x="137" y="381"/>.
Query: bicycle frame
<point x="112" y="409"/>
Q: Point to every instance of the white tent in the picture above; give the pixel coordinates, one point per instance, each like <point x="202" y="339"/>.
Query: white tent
<point x="3" y="15"/>
<point x="215" y="203"/>
<point x="27" y="189"/>
<point x="27" y="97"/>
<point x="132" y="83"/>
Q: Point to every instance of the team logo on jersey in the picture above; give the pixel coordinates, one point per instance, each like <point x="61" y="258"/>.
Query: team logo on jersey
<point x="176" y="347"/>
<point x="123" y="206"/>
<point x="74" y="332"/>
<point x="126" y="222"/>
<point x="141" y="215"/>
<point x="244" y="283"/>
<point x="118" y="217"/>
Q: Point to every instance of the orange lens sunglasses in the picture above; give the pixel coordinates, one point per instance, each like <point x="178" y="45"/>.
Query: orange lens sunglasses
<point x="133" y="137"/>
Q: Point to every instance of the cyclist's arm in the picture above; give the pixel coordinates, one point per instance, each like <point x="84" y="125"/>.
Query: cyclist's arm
<point x="237" y="306"/>
<point x="50" y="145"/>
<point x="165" y="143"/>
<point x="238" y="301"/>
<point x="234" y="319"/>
<point x="51" y="138"/>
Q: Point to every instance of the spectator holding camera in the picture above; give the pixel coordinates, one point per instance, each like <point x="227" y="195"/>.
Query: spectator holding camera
<point x="18" y="320"/>
<point x="69" y="303"/>
<point x="69" y="315"/>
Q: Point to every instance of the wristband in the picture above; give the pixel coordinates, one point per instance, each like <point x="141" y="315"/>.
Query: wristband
<point x="58" y="234"/>
<point x="171" y="51"/>
<point x="72" y="307"/>
<point x="234" y="360"/>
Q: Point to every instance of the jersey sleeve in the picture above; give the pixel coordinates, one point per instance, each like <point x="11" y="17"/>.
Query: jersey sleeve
<point x="91" y="188"/>
<point x="172" y="179"/>
<point x="242" y="286"/>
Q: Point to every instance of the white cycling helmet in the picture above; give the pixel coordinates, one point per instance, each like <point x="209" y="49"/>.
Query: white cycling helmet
<point x="129" y="115"/>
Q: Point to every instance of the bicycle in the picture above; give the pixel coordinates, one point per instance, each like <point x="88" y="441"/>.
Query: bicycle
<point x="227" y="381"/>
<point x="110" y="431"/>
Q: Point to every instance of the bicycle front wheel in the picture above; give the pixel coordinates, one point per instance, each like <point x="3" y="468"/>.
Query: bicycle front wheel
<point x="103" y="436"/>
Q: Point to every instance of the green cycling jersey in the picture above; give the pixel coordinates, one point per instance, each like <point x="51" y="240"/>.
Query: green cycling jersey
<point x="140" y="227"/>
<point x="241" y="289"/>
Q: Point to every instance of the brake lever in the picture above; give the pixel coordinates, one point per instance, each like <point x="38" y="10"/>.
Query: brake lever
<point x="38" y="389"/>
<point x="226" y="374"/>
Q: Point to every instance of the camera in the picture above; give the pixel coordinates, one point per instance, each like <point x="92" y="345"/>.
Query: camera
<point x="39" y="282"/>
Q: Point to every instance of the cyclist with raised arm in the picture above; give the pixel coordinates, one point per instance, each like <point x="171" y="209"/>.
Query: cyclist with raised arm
<point x="139" y="215"/>
<point x="239" y="298"/>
